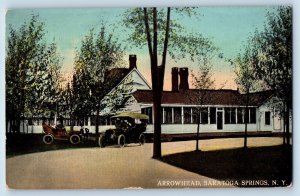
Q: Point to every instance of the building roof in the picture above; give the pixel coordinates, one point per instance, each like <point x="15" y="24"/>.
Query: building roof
<point x="115" y="76"/>
<point x="258" y="98"/>
<point x="204" y="97"/>
<point x="132" y="115"/>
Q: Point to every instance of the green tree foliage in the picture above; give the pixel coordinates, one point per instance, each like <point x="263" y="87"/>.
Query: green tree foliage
<point x="32" y="72"/>
<point x="97" y="55"/>
<point x="181" y="44"/>
<point x="202" y="80"/>
<point x="271" y="54"/>
<point x="154" y="27"/>
<point x="82" y="94"/>
<point x="244" y="78"/>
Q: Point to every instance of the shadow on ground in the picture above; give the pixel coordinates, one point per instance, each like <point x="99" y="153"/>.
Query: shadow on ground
<point x="253" y="167"/>
<point x="31" y="143"/>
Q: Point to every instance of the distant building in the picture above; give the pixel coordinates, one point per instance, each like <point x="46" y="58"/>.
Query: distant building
<point x="222" y="110"/>
<point x="130" y="77"/>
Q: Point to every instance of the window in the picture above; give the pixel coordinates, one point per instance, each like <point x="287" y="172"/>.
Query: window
<point x="267" y="118"/>
<point x="240" y="116"/>
<point x="143" y="110"/>
<point x="30" y="121"/>
<point x="253" y="115"/>
<point x="233" y="115"/>
<point x="187" y="115"/>
<point x="148" y="112"/>
<point x="105" y="120"/>
<point x="86" y="121"/>
<point x="204" y="115"/>
<point x="227" y="115"/>
<point x="177" y="115"/>
<point x="212" y="115"/>
<point x="93" y="120"/>
<point x="168" y="115"/>
<point x="230" y="115"/>
<point x="246" y="115"/>
<point x="161" y="115"/>
<point x="196" y="115"/>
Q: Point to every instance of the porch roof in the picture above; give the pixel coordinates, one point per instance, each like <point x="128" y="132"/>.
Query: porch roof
<point x="204" y="97"/>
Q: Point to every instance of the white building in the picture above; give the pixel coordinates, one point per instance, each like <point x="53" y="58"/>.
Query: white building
<point x="129" y="77"/>
<point x="222" y="110"/>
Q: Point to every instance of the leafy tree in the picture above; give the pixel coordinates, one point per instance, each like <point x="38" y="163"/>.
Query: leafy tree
<point x="28" y="80"/>
<point x="44" y="78"/>
<point x="98" y="54"/>
<point x="271" y="54"/>
<point x="203" y="82"/>
<point x="162" y="35"/>
<point x="82" y="94"/>
<point x="246" y="82"/>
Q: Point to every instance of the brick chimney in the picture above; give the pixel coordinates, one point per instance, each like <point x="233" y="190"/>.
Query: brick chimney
<point x="132" y="61"/>
<point x="184" y="75"/>
<point x="174" y="78"/>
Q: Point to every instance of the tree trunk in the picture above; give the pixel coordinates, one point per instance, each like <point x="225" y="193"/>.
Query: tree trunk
<point x="97" y="121"/>
<point x="246" y="135"/>
<point x="284" y="124"/>
<point x="246" y="120"/>
<point x="23" y="125"/>
<point x="287" y="123"/>
<point x="157" y="130"/>
<point x="18" y="125"/>
<point x="198" y="131"/>
<point x="157" y="74"/>
<point x="6" y="128"/>
<point x="157" y="92"/>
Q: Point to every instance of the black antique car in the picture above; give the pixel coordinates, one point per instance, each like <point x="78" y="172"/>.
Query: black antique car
<point x="130" y="128"/>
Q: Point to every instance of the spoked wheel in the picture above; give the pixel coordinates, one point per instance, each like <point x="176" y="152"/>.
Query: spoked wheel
<point x="121" y="140"/>
<point x="142" y="139"/>
<point x="75" y="139"/>
<point x="48" y="139"/>
<point x="101" y="141"/>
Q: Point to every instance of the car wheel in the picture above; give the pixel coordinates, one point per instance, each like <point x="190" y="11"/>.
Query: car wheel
<point x="75" y="139"/>
<point x="121" y="140"/>
<point x="142" y="139"/>
<point x="48" y="139"/>
<point x="101" y="141"/>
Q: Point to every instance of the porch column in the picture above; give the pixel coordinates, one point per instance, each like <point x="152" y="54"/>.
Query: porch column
<point x="191" y="115"/>
<point x="236" y="110"/>
<point x="89" y="121"/>
<point x="182" y="115"/>
<point x="55" y="119"/>
<point x="172" y="115"/>
<point x="208" y="115"/>
<point x="163" y="115"/>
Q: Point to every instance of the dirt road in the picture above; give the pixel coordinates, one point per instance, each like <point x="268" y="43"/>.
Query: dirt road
<point x="111" y="167"/>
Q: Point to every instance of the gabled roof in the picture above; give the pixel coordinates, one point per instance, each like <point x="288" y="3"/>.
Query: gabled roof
<point x="115" y="76"/>
<point x="208" y="97"/>
<point x="258" y="98"/>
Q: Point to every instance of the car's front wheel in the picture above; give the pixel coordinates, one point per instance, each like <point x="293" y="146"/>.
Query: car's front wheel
<point x="121" y="140"/>
<point x="101" y="141"/>
<point x="48" y="139"/>
<point x="75" y="139"/>
<point x="142" y="139"/>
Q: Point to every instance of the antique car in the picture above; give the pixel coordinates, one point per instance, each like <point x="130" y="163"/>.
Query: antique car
<point x="129" y="128"/>
<point x="60" y="133"/>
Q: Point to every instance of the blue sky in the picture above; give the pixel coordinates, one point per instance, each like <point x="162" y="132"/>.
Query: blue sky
<point x="228" y="28"/>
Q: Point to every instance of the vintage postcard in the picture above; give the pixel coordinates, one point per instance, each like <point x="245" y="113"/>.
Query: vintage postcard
<point x="149" y="97"/>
